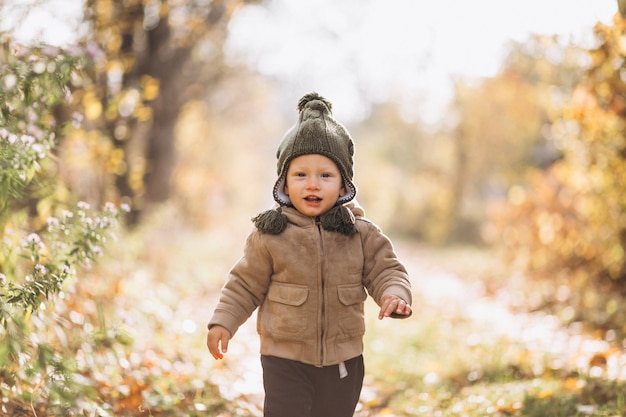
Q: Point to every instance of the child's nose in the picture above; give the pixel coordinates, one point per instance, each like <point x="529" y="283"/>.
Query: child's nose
<point x="313" y="182"/>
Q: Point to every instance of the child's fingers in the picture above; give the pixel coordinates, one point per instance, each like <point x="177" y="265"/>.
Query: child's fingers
<point x="385" y="310"/>
<point x="404" y="309"/>
<point x="217" y="342"/>
<point x="387" y="307"/>
<point x="392" y="305"/>
<point x="224" y="343"/>
<point x="212" y="344"/>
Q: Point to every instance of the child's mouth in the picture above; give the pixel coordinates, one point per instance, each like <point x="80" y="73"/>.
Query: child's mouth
<point x="313" y="199"/>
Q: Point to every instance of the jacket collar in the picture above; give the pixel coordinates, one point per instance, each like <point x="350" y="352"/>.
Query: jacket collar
<point x="340" y="219"/>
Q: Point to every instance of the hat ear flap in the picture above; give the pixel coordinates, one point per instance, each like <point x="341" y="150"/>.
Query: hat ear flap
<point x="279" y="192"/>
<point x="350" y="192"/>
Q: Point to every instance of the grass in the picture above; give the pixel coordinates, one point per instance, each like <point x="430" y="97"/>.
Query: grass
<point x="462" y="353"/>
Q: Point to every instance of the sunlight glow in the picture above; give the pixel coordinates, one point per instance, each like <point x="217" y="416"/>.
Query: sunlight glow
<point x="189" y="326"/>
<point x="408" y="50"/>
<point x="402" y="49"/>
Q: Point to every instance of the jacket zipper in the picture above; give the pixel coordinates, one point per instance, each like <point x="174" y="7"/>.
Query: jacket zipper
<point x="322" y="315"/>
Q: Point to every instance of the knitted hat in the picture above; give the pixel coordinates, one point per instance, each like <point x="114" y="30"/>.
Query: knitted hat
<point x="316" y="132"/>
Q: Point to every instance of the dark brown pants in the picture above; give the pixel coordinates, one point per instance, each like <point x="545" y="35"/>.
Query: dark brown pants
<point x="295" y="389"/>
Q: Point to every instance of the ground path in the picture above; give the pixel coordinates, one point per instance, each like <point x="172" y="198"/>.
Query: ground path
<point x="441" y="281"/>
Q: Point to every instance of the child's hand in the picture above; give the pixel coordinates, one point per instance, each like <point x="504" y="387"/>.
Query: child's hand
<point x="217" y="338"/>
<point x="391" y="304"/>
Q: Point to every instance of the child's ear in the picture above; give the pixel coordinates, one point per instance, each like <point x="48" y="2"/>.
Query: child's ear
<point x="342" y="191"/>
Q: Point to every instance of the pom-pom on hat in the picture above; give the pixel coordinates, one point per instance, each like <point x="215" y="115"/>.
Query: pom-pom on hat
<point x="316" y="132"/>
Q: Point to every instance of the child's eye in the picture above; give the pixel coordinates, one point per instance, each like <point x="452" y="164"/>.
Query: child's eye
<point x="326" y="175"/>
<point x="300" y="174"/>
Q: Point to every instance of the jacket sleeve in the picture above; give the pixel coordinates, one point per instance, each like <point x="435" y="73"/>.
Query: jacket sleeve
<point x="383" y="273"/>
<point x="246" y="287"/>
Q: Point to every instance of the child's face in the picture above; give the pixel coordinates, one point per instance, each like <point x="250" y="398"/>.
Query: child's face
<point x="313" y="184"/>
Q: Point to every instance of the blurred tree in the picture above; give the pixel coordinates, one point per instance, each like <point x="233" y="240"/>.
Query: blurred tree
<point x="235" y="171"/>
<point x="438" y="184"/>
<point x="503" y="129"/>
<point x="621" y="4"/>
<point x="155" y="57"/>
<point x="567" y="226"/>
<point x="404" y="179"/>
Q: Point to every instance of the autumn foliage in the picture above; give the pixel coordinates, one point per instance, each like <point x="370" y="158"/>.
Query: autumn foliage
<point x="566" y="227"/>
<point x="146" y="111"/>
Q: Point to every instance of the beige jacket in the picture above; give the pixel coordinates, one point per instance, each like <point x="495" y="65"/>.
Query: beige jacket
<point x="310" y="286"/>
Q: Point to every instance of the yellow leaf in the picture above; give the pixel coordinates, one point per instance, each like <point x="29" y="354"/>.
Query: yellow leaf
<point x="93" y="107"/>
<point x="150" y="87"/>
<point x="545" y="394"/>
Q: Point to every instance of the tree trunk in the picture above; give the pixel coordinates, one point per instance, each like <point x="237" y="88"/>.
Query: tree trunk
<point x="160" y="157"/>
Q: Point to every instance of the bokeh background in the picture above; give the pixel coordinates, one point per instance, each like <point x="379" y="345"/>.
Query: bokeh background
<point x="489" y="145"/>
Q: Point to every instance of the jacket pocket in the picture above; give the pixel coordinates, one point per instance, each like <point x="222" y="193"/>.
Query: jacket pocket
<point x="282" y="314"/>
<point x="351" y="294"/>
<point x="290" y="294"/>
<point x="351" y="318"/>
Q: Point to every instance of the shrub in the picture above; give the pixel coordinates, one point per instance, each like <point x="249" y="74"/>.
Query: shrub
<point x="37" y="258"/>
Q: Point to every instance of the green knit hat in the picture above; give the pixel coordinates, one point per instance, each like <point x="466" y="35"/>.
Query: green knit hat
<point x="316" y="132"/>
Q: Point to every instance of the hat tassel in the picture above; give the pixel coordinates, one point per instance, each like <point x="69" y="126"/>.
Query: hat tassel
<point x="272" y="221"/>
<point x="339" y="219"/>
